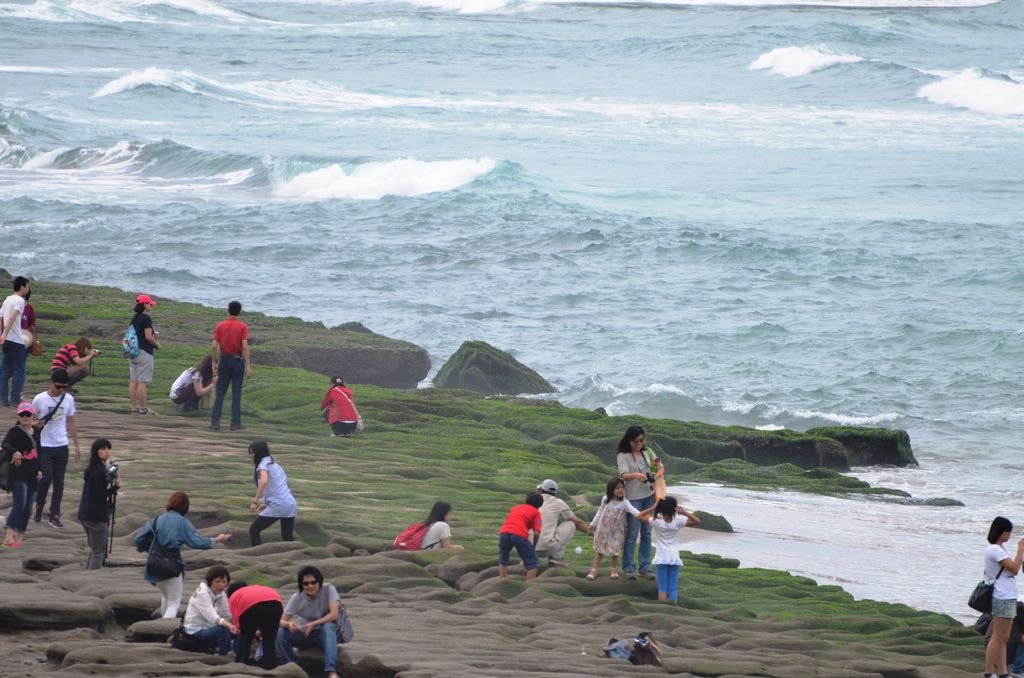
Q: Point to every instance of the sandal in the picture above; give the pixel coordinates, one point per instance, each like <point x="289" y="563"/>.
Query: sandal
<point x="614" y="574"/>
<point x="592" y="575"/>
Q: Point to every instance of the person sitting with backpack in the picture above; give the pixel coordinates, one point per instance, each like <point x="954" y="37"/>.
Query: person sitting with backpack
<point x="74" y="359"/>
<point x="192" y="384"/>
<point x="433" y="533"/>
<point x="310" y="619"/>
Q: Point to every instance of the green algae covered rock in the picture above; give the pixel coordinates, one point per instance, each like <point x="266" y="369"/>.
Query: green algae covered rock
<point x="478" y="366"/>
<point x="870" y="446"/>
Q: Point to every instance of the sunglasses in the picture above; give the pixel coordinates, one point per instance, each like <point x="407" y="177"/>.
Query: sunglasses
<point x="311" y="582"/>
<point x="24" y="414"/>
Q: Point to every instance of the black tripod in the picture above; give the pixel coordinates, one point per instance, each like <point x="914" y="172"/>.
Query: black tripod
<point x="111" y="510"/>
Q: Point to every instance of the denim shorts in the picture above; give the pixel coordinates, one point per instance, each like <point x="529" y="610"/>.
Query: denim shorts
<point x="1004" y="607"/>
<point x="505" y="543"/>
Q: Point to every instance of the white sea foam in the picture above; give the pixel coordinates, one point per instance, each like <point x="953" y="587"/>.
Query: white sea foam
<point x="796" y="61"/>
<point x="462" y="6"/>
<point x="852" y="4"/>
<point x="152" y="76"/>
<point x="405" y="176"/>
<point x="848" y="419"/>
<point x="770" y="427"/>
<point x="44" y="159"/>
<point x="118" y="11"/>
<point x="973" y="90"/>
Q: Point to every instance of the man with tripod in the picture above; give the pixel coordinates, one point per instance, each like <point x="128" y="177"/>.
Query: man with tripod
<point x="99" y="497"/>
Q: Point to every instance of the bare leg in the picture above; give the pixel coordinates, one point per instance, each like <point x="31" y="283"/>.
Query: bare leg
<point x="995" y="651"/>
<point x="532" y="574"/>
<point x="502" y="571"/>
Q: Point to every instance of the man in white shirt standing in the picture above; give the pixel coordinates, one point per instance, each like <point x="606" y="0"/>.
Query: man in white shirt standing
<point x="56" y="407"/>
<point x="12" y="365"/>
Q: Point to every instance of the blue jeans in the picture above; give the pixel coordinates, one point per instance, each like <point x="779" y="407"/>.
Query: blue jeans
<point x="231" y="372"/>
<point x="216" y="637"/>
<point x="54" y="463"/>
<point x="523" y="546"/>
<point x="668" y="580"/>
<point x="324" y="636"/>
<point x="633" y="528"/>
<point x="12" y="372"/>
<point x="23" y="495"/>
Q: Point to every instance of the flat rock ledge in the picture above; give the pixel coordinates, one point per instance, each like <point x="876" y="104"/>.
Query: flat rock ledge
<point x="426" y="615"/>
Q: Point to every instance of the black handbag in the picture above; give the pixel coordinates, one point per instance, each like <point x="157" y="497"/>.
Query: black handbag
<point x="163" y="562"/>
<point x="981" y="597"/>
<point x="183" y="640"/>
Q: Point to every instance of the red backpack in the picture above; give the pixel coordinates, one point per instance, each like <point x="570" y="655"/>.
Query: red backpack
<point x="411" y="538"/>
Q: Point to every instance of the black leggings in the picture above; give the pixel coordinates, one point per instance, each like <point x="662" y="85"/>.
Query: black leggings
<point x="266" y="618"/>
<point x="343" y="428"/>
<point x="263" y="522"/>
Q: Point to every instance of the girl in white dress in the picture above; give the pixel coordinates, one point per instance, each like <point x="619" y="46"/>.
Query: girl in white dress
<point x="609" y="525"/>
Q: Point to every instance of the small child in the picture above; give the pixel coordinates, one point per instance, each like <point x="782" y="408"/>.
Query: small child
<point x="516" y="532"/>
<point x="610" y="526"/>
<point x="668" y="519"/>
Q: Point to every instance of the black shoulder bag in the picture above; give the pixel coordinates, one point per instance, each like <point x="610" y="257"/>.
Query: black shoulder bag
<point x="162" y="562"/>
<point x="981" y="597"/>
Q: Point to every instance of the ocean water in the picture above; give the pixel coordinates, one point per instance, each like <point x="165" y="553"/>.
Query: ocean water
<point x="769" y="213"/>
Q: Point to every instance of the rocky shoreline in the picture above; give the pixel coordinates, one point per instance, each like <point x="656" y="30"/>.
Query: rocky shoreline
<point x="426" y="614"/>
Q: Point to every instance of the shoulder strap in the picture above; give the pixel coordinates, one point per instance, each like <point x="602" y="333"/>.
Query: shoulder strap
<point x="46" y="420"/>
<point x="348" y="399"/>
<point x="152" y="541"/>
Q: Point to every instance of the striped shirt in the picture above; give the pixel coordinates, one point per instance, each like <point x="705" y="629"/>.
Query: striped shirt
<point x="65" y="357"/>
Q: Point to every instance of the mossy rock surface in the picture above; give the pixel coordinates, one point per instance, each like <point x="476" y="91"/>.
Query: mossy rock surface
<point x="870" y="446"/>
<point x="478" y="366"/>
<point x="454" y="617"/>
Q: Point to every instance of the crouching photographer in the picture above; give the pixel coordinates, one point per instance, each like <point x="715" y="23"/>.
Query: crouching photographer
<point x="96" y="510"/>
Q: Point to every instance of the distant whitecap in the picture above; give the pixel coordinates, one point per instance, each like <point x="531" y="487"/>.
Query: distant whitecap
<point x="404" y="177"/>
<point x="973" y="90"/>
<point x="793" y="62"/>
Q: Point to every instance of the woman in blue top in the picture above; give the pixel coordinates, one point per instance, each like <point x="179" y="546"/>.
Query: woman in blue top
<point x="1002" y="570"/>
<point x="273" y="500"/>
<point x="172" y="531"/>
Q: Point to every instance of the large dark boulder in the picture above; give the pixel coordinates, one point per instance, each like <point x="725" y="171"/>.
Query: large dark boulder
<point x="870" y="446"/>
<point x="478" y="366"/>
<point x="358" y="357"/>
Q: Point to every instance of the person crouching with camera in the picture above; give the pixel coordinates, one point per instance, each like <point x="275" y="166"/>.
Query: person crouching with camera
<point x="101" y="484"/>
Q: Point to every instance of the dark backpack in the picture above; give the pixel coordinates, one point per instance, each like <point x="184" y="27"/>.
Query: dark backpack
<point x="411" y="538"/>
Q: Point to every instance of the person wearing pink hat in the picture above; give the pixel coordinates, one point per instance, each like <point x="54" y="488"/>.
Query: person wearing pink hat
<point x="141" y="366"/>
<point x="20" y="446"/>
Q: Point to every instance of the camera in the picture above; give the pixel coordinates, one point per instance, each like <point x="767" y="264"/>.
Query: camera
<point x="650" y="477"/>
<point x="97" y="352"/>
<point x="112" y="472"/>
